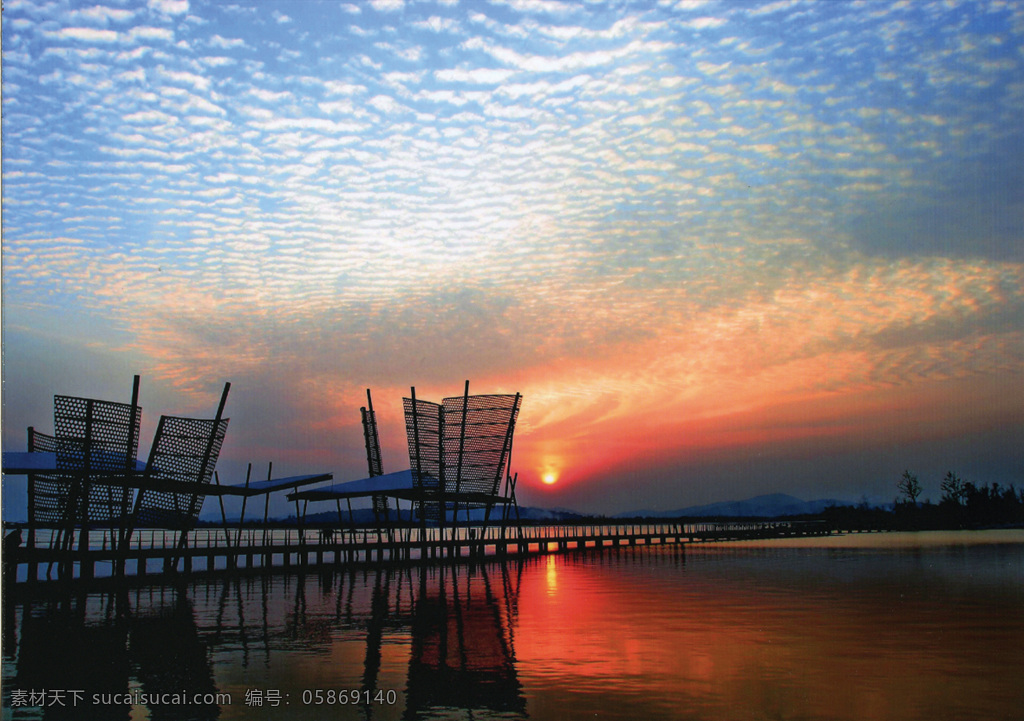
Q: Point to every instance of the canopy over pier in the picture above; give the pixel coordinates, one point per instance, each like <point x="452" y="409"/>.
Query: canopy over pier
<point x="86" y="479"/>
<point x="86" y="476"/>
<point x="460" y="454"/>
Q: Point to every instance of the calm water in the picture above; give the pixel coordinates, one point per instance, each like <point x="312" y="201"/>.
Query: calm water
<point x="893" y="626"/>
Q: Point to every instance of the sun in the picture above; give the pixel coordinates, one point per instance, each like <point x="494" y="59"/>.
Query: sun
<point x="549" y="478"/>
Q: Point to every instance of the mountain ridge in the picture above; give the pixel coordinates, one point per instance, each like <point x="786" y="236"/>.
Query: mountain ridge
<point x="769" y="505"/>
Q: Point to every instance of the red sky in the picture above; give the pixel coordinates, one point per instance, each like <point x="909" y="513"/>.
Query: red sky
<point x="714" y="264"/>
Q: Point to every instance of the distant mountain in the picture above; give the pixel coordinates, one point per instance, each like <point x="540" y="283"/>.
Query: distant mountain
<point x="548" y="514"/>
<point x="771" y="505"/>
<point x="767" y="506"/>
<point x="364" y="516"/>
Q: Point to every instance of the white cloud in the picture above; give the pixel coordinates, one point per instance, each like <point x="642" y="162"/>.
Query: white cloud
<point x="335" y="87"/>
<point x="101" y="14"/>
<point x="317" y="124"/>
<point x="151" y="33"/>
<point x="537" y="6"/>
<point x="220" y="42"/>
<point x="773" y="7"/>
<point x="92" y="35"/>
<point x="338" y="107"/>
<point x="543" y="87"/>
<point x="138" y="76"/>
<point x="437" y="24"/>
<point x="387" y="5"/>
<point x="169" y="7"/>
<point x="386" y="104"/>
<point x="197" y="81"/>
<point x="217" y="61"/>
<point x="442" y="96"/>
<point x="570" y="61"/>
<point x="713" y="68"/>
<point x="269" y="96"/>
<point x="202" y="105"/>
<point x="475" y="76"/>
<point x="705" y="22"/>
<point x="149" y="117"/>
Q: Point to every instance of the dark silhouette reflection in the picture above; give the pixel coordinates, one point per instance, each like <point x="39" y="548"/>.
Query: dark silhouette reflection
<point x="462" y="644"/>
<point x="171" y="659"/>
<point x="91" y="649"/>
<point x="380" y="609"/>
<point x="460" y="622"/>
<point x="60" y="652"/>
<point x="451" y="626"/>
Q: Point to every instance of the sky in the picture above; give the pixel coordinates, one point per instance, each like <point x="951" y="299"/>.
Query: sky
<point x="721" y="248"/>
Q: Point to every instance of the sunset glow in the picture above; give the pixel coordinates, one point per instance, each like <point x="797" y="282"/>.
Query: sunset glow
<point x="714" y="263"/>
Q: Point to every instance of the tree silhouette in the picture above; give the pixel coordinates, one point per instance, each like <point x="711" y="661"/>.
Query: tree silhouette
<point x="909" y="486"/>
<point x="953" y="489"/>
<point x="964" y="504"/>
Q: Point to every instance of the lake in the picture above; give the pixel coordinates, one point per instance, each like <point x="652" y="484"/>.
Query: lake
<point x="864" y="626"/>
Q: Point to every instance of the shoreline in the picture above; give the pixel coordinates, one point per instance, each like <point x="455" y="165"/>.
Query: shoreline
<point x="884" y="539"/>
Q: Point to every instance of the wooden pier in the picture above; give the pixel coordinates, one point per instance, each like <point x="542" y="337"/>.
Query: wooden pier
<point x="93" y="508"/>
<point x="157" y="553"/>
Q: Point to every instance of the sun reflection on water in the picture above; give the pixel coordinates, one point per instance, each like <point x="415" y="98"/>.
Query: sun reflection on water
<point x="723" y="631"/>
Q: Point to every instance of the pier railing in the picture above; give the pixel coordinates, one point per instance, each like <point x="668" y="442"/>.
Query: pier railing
<point x="254" y="548"/>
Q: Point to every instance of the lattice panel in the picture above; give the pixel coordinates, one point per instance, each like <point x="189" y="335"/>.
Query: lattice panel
<point x="184" y="450"/>
<point x="477" y="441"/>
<point x="373" y="457"/>
<point x="464" y="440"/>
<point x="49" y="490"/>
<point x="422" y="428"/>
<point x="96" y="438"/>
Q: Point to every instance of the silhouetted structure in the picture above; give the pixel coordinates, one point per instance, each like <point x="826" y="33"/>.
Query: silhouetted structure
<point x="47" y="494"/>
<point x="86" y="476"/>
<point x="460" y="451"/>
<point x="183" y="455"/>
<point x="374" y="461"/>
<point x="95" y="444"/>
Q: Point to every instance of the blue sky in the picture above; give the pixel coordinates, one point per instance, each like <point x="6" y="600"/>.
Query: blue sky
<point x="721" y="248"/>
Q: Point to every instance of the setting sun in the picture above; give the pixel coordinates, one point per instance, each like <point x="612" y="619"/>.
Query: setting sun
<point x="549" y="478"/>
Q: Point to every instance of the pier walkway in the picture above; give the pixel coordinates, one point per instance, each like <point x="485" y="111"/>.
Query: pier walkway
<point x="217" y="550"/>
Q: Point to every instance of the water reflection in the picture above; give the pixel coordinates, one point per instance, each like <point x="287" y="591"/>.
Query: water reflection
<point x="171" y="657"/>
<point x="715" y="632"/>
<point x="462" y="648"/>
<point x="58" y="650"/>
<point x="93" y="657"/>
<point x="232" y="648"/>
